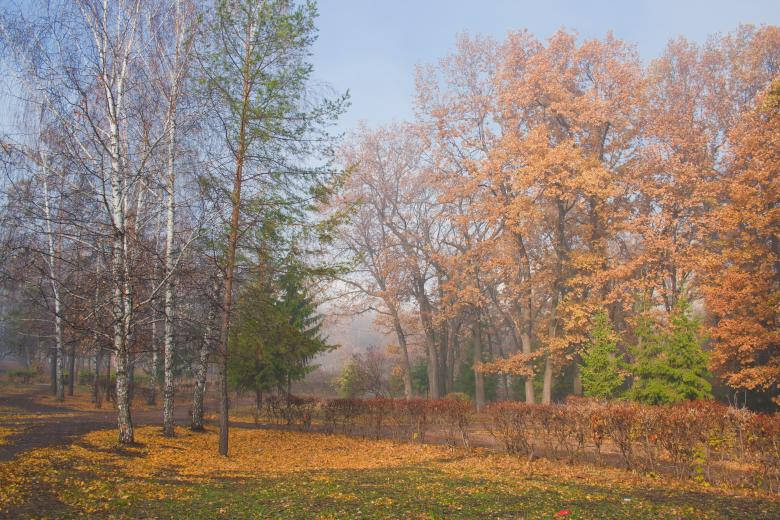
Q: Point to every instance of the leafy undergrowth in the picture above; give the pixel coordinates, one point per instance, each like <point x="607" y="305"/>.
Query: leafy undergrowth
<point x="282" y="474"/>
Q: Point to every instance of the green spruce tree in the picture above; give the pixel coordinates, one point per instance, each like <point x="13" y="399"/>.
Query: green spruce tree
<point x="600" y="369"/>
<point x="671" y="366"/>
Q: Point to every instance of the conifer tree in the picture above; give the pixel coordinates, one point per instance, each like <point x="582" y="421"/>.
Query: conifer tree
<point x="600" y="368"/>
<point x="671" y="366"/>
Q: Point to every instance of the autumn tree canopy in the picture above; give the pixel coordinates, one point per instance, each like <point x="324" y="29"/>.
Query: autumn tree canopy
<point x="541" y="181"/>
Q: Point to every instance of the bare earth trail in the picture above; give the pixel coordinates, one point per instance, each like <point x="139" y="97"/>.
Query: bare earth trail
<point x="43" y="425"/>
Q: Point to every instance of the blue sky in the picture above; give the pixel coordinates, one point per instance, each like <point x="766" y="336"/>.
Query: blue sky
<point x="371" y="47"/>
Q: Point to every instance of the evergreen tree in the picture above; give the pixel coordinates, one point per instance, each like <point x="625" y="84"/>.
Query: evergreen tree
<point x="671" y="366"/>
<point x="275" y="338"/>
<point x="256" y="79"/>
<point x="600" y="368"/>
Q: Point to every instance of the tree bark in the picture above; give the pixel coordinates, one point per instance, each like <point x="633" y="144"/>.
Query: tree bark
<point x="230" y="263"/>
<point x="59" y="352"/>
<point x="53" y="370"/>
<point x="168" y="393"/>
<point x="443" y="349"/>
<point x="577" y="384"/>
<point x="72" y="369"/>
<point x="200" y="377"/>
<point x="168" y="426"/>
<point x="407" y="365"/>
<point x="96" y="395"/>
<point x="479" y="378"/>
<point x="155" y="379"/>
<point x="525" y="338"/>
<point x="548" y="378"/>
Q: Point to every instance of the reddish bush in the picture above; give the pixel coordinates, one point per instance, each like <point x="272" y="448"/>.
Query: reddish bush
<point x="511" y="424"/>
<point x="620" y="419"/>
<point x="692" y="437"/>
<point x="764" y="444"/>
<point x="378" y="411"/>
<point x="410" y="418"/>
<point x="453" y="415"/>
<point x="342" y="414"/>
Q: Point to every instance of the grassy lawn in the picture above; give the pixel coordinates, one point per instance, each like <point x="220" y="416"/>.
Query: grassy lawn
<point x="277" y="474"/>
<point x="286" y="474"/>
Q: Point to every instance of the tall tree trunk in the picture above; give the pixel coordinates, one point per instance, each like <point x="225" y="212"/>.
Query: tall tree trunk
<point x="407" y="365"/>
<point x="96" y="395"/>
<point x="108" y="375"/>
<point x="524" y="307"/>
<point x="433" y="371"/>
<point x="548" y="379"/>
<point x="155" y="379"/>
<point x="53" y="369"/>
<point x="200" y="377"/>
<point x="577" y="383"/>
<point x="426" y="318"/>
<point x="131" y="357"/>
<point x="120" y="303"/>
<point x="525" y="337"/>
<point x="230" y="264"/>
<point x="561" y="258"/>
<point x="124" y="419"/>
<point x="72" y="369"/>
<point x="59" y="352"/>
<point x="479" y="378"/>
<point x="457" y="355"/>
<point x="168" y="426"/>
<point x="443" y="351"/>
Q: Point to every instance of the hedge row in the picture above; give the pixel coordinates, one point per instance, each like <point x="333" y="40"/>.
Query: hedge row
<point x="397" y="418"/>
<point x="703" y="440"/>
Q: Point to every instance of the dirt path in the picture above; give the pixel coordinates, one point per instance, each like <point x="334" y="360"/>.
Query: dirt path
<point x="42" y="425"/>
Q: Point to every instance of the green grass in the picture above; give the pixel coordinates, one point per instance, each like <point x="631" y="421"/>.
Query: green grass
<point x="425" y="492"/>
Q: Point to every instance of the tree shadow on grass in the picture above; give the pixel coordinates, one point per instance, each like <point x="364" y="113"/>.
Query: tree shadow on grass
<point x="388" y="492"/>
<point x="409" y="491"/>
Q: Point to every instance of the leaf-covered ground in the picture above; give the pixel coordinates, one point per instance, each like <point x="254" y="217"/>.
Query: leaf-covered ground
<point x="278" y="474"/>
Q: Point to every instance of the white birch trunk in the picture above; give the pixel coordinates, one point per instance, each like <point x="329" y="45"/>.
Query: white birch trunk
<point x="59" y="353"/>
<point x="200" y="375"/>
<point x="170" y="186"/>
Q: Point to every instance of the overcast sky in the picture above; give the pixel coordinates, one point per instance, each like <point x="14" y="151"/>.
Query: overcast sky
<point x="371" y="47"/>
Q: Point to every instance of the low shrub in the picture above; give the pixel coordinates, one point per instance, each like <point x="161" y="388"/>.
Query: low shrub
<point x="453" y="414"/>
<point x="511" y="424"/>
<point x="24" y="375"/>
<point x="692" y="440"/>
<point x="763" y="442"/>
